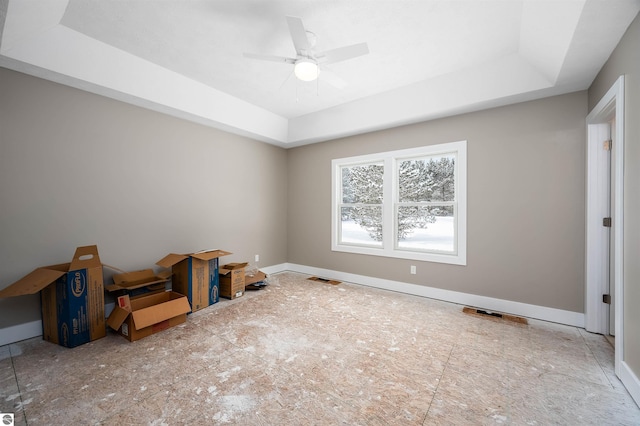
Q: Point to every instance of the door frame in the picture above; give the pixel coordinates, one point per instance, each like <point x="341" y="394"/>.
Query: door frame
<point x="611" y="106"/>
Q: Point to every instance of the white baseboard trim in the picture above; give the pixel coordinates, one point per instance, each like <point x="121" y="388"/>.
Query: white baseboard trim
<point x="274" y="269"/>
<point x="630" y="381"/>
<point x="28" y="330"/>
<point x="575" y="319"/>
<point x="15" y="333"/>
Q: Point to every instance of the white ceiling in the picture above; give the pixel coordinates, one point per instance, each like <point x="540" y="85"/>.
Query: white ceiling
<point x="427" y="58"/>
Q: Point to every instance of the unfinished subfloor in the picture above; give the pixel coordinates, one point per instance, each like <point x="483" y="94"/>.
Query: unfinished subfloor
<point x="309" y="353"/>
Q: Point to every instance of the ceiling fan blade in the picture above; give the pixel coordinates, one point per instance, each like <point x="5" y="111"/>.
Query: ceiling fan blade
<point x="343" y="53"/>
<point x="298" y="34"/>
<point x="286" y="81"/>
<point x="332" y="78"/>
<point x="272" y="58"/>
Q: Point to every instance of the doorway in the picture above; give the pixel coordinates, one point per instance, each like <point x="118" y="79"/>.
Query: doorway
<point x="604" y="219"/>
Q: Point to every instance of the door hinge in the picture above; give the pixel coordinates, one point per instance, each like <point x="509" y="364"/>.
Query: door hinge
<point x="606" y="222"/>
<point x="606" y="298"/>
<point x="607" y="145"/>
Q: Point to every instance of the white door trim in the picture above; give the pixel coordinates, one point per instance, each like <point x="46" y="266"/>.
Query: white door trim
<point x="610" y="106"/>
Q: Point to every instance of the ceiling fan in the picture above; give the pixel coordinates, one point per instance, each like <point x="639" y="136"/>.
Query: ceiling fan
<point x="306" y="64"/>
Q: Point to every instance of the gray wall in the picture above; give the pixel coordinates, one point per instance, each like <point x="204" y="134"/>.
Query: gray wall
<point x="625" y="60"/>
<point x="526" y="180"/>
<point x="79" y="169"/>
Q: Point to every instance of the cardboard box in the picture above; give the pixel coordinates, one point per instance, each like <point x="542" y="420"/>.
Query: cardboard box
<point x="72" y="298"/>
<point x="147" y="314"/>
<point x="139" y="282"/>
<point x="196" y="276"/>
<point x="232" y="280"/>
<point x="254" y="277"/>
<point x="254" y="280"/>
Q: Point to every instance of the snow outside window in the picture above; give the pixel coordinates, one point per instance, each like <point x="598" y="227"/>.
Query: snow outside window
<point x="408" y="204"/>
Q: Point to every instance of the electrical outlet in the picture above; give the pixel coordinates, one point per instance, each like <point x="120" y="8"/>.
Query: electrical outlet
<point x="257" y="258"/>
<point x="413" y="269"/>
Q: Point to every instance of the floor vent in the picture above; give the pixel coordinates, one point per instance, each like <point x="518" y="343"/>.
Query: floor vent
<point x="324" y="280"/>
<point x="494" y="315"/>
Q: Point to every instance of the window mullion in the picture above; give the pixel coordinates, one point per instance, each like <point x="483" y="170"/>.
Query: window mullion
<point x="389" y="197"/>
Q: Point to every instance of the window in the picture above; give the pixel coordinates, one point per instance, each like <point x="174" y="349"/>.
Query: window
<point x="408" y="204"/>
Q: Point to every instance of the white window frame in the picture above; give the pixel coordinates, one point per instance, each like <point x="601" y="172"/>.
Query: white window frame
<point x="390" y="160"/>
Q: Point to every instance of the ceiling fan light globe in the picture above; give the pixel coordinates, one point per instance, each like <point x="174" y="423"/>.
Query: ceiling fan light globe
<point x="306" y="70"/>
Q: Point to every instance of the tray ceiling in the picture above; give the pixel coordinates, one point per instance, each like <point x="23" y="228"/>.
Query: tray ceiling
<point x="427" y="59"/>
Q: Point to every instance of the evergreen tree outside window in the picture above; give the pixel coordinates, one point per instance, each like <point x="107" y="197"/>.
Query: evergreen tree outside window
<point x="408" y="204"/>
<point x="362" y="204"/>
<point x="425" y="213"/>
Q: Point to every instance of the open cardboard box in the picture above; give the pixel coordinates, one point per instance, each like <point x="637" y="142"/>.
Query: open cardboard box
<point x="147" y="314"/>
<point x="72" y="298"/>
<point x="196" y="276"/>
<point x="232" y="280"/>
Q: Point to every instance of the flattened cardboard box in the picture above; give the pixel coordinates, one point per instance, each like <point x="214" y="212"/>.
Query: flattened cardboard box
<point x="254" y="277"/>
<point x="138" y="282"/>
<point x="232" y="280"/>
<point x="147" y="314"/>
<point x="72" y="298"/>
<point x="254" y="280"/>
<point x="196" y="276"/>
